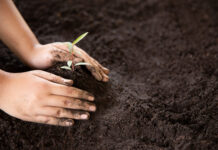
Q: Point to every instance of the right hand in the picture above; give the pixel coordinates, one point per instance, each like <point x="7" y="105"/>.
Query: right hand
<point x="44" y="56"/>
<point x="42" y="97"/>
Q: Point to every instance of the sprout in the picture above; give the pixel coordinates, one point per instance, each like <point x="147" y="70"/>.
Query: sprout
<point x="66" y="67"/>
<point x="82" y="64"/>
<point x="79" y="38"/>
<point x="70" y="47"/>
<point x="69" y="65"/>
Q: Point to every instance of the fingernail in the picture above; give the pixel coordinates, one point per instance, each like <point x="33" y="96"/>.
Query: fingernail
<point x="69" y="122"/>
<point x="66" y="81"/>
<point x="84" y="116"/>
<point x="92" y="108"/>
<point x="106" y="79"/>
<point x="91" y="98"/>
<point x="106" y="69"/>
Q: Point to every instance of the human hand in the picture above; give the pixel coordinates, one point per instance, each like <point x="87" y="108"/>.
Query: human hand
<point x="38" y="96"/>
<point x="34" y="54"/>
<point x="44" y="56"/>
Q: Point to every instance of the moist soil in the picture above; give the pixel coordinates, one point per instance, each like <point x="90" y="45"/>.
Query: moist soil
<point x="163" y="89"/>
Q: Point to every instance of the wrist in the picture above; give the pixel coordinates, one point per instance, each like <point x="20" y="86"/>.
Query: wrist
<point x="31" y="54"/>
<point x="4" y="76"/>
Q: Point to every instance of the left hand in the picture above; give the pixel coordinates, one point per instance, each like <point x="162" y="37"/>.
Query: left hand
<point x="45" y="56"/>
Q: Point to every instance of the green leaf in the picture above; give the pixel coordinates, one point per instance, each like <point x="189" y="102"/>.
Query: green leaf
<point x="66" y="67"/>
<point x="79" y="38"/>
<point x="69" y="63"/>
<point x="82" y="63"/>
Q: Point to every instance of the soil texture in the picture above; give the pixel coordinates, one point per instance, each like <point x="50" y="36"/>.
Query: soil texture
<point x="163" y="89"/>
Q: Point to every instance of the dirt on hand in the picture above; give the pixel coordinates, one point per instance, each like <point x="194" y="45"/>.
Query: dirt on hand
<point x="163" y="89"/>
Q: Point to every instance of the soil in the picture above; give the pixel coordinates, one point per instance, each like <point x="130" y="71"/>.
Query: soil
<point x="163" y="89"/>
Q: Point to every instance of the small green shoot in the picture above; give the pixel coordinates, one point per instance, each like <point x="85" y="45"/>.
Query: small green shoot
<point x="79" y="38"/>
<point x="70" y="47"/>
<point x="82" y="64"/>
<point x="69" y="65"/>
<point x="66" y="67"/>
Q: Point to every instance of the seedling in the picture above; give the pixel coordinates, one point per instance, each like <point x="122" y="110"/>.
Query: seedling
<point x="70" y="47"/>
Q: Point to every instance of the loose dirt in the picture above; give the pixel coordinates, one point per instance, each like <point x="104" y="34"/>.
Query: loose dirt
<point x="163" y="89"/>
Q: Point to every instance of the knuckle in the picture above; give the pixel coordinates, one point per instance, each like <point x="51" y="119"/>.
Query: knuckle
<point x="87" y="105"/>
<point x="78" y="102"/>
<point x="59" y="112"/>
<point x="80" y="94"/>
<point x="86" y="94"/>
<point x="67" y="102"/>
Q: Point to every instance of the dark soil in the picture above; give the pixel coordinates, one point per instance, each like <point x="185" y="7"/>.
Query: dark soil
<point x="163" y="92"/>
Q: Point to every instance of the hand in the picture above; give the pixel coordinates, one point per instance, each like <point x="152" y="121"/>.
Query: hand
<point x="31" y="52"/>
<point x="44" y="56"/>
<point x="42" y="97"/>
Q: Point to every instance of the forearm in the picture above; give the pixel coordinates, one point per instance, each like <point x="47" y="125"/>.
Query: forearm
<point x="14" y="31"/>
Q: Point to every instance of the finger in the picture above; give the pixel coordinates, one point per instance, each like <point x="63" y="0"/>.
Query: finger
<point x="69" y="103"/>
<point x="94" y="72"/>
<point x="94" y="68"/>
<point x="105" y="70"/>
<point x="77" y="60"/>
<point x="57" y="89"/>
<point x="64" y="113"/>
<point x="54" y="121"/>
<point x="105" y="77"/>
<point x="51" y="77"/>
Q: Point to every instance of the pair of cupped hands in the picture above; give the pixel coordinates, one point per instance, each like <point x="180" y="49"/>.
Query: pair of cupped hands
<point x="42" y="97"/>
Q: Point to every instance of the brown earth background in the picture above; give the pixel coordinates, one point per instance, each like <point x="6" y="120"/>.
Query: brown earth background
<point x="163" y="92"/>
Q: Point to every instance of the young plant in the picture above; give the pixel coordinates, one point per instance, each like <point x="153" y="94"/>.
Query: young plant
<point x="70" y="47"/>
